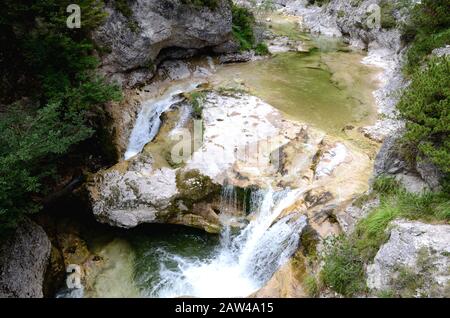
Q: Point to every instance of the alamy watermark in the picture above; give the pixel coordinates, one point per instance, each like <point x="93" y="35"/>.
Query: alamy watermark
<point x="73" y="279"/>
<point x="74" y="19"/>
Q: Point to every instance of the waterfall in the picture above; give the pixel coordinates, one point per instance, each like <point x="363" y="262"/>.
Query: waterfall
<point x="241" y="263"/>
<point x="148" y="121"/>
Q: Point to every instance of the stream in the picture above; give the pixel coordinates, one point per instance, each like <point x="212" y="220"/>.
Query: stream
<point x="328" y="88"/>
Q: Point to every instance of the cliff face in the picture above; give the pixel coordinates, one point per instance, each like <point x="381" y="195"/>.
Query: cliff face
<point x="148" y="31"/>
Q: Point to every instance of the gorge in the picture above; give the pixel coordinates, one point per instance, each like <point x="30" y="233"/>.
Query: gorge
<point x="238" y="170"/>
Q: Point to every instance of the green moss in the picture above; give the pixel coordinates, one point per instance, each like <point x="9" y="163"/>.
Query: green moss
<point x="193" y="186"/>
<point x="309" y="240"/>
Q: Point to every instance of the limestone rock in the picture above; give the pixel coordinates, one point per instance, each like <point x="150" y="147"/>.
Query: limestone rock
<point x="158" y="26"/>
<point x="420" y="250"/>
<point x="23" y="261"/>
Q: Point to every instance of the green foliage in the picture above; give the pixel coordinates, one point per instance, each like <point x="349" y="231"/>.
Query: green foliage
<point x="425" y="106"/>
<point x="387" y="19"/>
<point x="343" y="269"/>
<point x="197" y="99"/>
<point x="385" y="185"/>
<point x="64" y="98"/>
<point x="261" y="49"/>
<point x="345" y="257"/>
<point x="243" y="21"/>
<point x="428" y="28"/>
<point x="311" y="286"/>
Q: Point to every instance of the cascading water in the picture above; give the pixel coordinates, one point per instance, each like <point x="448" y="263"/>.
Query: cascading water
<point x="148" y="121"/>
<point x="241" y="263"/>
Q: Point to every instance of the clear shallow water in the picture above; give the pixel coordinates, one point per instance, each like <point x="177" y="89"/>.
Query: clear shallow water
<point x="326" y="89"/>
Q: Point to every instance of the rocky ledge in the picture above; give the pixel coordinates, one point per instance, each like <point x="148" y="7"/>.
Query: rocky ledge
<point x="156" y="30"/>
<point x="246" y="143"/>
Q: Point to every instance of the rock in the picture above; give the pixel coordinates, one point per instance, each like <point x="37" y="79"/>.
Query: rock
<point x="423" y="177"/>
<point x="388" y="159"/>
<point x="260" y="147"/>
<point x="158" y="26"/>
<point x="429" y="173"/>
<point x="23" y="261"/>
<point x="416" y="249"/>
<point x="282" y="44"/>
<point x="443" y="51"/>
<point x="350" y="215"/>
<point x="231" y="46"/>
<point x="237" y="57"/>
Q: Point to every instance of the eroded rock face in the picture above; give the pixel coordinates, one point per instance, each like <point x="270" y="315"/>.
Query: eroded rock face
<point x="419" y="250"/>
<point x="159" y="26"/>
<point x="23" y="261"/>
<point x="246" y="143"/>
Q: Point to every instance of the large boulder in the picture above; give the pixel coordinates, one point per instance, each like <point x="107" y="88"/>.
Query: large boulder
<point x="23" y="260"/>
<point x="153" y="30"/>
<point x="390" y="161"/>
<point x="414" y="262"/>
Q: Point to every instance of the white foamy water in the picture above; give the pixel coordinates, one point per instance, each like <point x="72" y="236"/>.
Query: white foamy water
<point x="148" y="121"/>
<point x="241" y="263"/>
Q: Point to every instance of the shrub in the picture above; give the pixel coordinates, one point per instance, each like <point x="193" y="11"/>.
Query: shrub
<point x="261" y="49"/>
<point x="197" y="99"/>
<point x="243" y="21"/>
<point x="343" y="269"/>
<point x="428" y="28"/>
<point x="425" y="106"/>
<point x="387" y="19"/>
<point x="64" y="100"/>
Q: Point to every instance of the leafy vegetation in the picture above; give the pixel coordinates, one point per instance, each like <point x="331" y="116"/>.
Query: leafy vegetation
<point x="428" y="28"/>
<point x="387" y="19"/>
<point x="345" y="257"/>
<point x="425" y="106"/>
<point x="343" y="269"/>
<point x="197" y="99"/>
<point x="261" y="49"/>
<point x="53" y="118"/>
<point x="243" y="23"/>
<point x="311" y="286"/>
